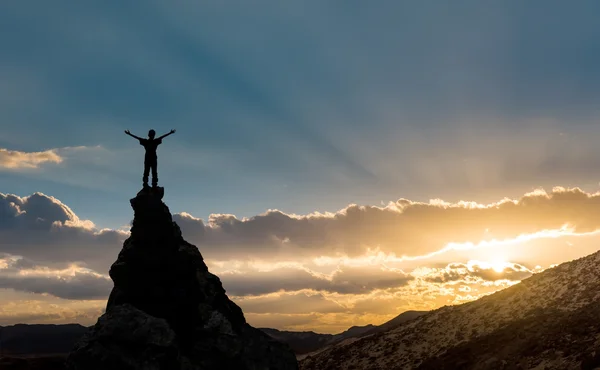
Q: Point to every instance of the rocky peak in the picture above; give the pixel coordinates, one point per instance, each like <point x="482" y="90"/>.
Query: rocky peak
<point x="168" y="311"/>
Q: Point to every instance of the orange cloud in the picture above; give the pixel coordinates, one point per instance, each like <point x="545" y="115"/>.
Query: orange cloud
<point x="27" y="308"/>
<point x="13" y="159"/>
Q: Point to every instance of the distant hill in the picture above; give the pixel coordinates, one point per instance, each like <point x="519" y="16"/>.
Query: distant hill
<point x="308" y="341"/>
<point x="300" y="342"/>
<point x="22" y="339"/>
<point x="33" y="363"/>
<point x="27" y="340"/>
<point x="548" y="321"/>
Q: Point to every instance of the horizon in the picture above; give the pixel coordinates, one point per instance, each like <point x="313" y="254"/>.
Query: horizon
<point x="335" y="165"/>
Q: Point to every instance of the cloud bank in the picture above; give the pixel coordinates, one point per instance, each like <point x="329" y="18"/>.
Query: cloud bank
<point x="289" y="265"/>
<point x="403" y="227"/>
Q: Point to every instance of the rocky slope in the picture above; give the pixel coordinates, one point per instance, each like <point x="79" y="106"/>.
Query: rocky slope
<point x="548" y="321"/>
<point x="167" y="311"/>
<point x="549" y="338"/>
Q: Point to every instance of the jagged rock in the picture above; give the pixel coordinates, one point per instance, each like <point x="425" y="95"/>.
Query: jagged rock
<point x="127" y="338"/>
<point x="162" y="282"/>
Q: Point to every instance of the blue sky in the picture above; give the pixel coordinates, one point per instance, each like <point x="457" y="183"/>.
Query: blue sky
<point x="300" y="106"/>
<point x="304" y="107"/>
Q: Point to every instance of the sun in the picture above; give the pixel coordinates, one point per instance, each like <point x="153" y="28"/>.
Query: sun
<point x="498" y="265"/>
<point x="498" y="262"/>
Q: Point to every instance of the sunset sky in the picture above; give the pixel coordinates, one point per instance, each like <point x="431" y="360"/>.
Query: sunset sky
<point x="336" y="163"/>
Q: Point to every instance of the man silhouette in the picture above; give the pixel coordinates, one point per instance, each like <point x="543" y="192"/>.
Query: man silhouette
<point x="150" y="160"/>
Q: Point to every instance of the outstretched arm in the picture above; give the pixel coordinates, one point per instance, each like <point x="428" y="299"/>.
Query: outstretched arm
<point x="165" y="135"/>
<point x="132" y="135"/>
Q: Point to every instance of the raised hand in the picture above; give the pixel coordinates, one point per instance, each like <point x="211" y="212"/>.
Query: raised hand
<point x="127" y="132"/>
<point x="172" y="131"/>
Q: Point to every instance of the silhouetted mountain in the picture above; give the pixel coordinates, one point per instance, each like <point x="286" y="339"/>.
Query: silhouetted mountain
<point x="22" y="339"/>
<point x="167" y="311"/>
<point x="308" y="341"/>
<point x="548" y="321"/>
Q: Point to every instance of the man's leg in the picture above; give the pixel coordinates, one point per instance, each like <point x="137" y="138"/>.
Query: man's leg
<point x="154" y="174"/>
<point x="146" y="173"/>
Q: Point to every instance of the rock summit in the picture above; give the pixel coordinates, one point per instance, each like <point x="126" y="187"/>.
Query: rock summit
<point x="167" y="311"/>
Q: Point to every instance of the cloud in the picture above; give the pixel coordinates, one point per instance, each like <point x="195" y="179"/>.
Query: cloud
<point x="72" y="282"/>
<point x="475" y="272"/>
<point x="13" y="159"/>
<point x="344" y="280"/>
<point x="19" y="307"/>
<point x="403" y="227"/>
<point x="343" y="263"/>
<point x="85" y="167"/>
<point x="289" y="303"/>
<point x="42" y="228"/>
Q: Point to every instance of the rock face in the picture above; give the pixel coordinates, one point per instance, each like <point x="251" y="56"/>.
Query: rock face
<point x="167" y="311"/>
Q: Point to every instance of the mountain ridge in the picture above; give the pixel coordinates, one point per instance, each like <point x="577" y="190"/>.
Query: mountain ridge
<point x="59" y="338"/>
<point x="308" y="342"/>
<point x="38" y="339"/>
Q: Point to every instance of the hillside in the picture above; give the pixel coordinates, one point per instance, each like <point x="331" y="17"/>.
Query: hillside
<point x="549" y="337"/>
<point x="522" y="323"/>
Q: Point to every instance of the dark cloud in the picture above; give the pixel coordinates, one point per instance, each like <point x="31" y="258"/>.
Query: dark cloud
<point x="68" y="283"/>
<point x="80" y="286"/>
